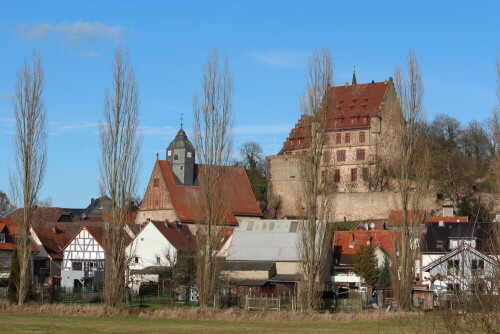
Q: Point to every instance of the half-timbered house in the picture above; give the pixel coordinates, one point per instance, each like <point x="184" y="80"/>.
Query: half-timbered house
<point x="83" y="259"/>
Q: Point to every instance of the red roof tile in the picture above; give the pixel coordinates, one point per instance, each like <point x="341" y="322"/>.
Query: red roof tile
<point x="53" y="240"/>
<point x="179" y="236"/>
<point x="8" y="227"/>
<point x="414" y="218"/>
<point x="186" y="199"/>
<point x="346" y="102"/>
<point x="348" y="242"/>
<point x="464" y="219"/>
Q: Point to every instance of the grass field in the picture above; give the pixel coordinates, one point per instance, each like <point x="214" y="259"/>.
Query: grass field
<point x="22" y="323"/>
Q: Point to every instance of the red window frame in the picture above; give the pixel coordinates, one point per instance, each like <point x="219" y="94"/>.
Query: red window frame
<point x="362" y="137"/>
<point x="341" y="155"/>
<point x="354" y="174"/>
<point x="360" y="154"/>
<point x="354" y="120"/>
<point x="337" y="176"/>
<point x="347" y="138"/>
<point x="365" y="119"/>
<point x="338" y="138"/>
<point x="338" y="122"/>
<point x="365" y="174"/>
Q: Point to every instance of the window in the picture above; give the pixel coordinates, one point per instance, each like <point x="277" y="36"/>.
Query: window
<point x="364" y="120"/>
<point x="2" y="238"/>
<point x="338" y="122"/>
<point x="361" y="137"/>
<point x="347" y="138"/>
<point x="156" y="182"/>
<point x="337" y="175"/>
<point x="169" y="153"/>
<point x="326" y="157"/>
<point x="338" y="138"/>
<point x="453" y="267"/>
<point x="341" y="155"/>
<point x="176" y="157"/>
<point x="158" y="260"/>
<point x="366" y="174"/>
<point x="189" y="155"/>
<point x="76" y="265"/>
<point x="136" y="260"/>
<point x="354" y="120"/>
<point x="477" y="267"/>
<point x="354" y="174"/>
<point x="439" y="244"/>
<point x="360" y="154"/>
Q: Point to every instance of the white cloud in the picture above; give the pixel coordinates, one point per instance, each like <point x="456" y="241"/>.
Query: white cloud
<point x="58" y="128"/>
<point x="7" y="97"/>
<point x="72" y="32"/>
<point x="281" y="58"/>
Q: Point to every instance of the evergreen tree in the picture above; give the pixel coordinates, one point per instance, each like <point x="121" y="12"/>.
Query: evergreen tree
<point x="13" y="278"/>
<point x="365" y="264"/>
<point x="385" y="275"/>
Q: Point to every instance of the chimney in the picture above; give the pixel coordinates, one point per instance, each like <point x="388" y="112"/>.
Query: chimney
<point x="448" y="211"/>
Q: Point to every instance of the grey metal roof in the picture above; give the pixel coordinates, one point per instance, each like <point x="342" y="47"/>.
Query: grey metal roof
<point x="264" y="240"/>
<point x="181" y="141"/>
<point x="284" y="278"/>
<point x="248" y="265"/>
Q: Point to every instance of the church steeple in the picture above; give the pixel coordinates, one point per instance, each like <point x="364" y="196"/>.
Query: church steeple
<point x="354" y="82"/>
<point x="180" y="155"/>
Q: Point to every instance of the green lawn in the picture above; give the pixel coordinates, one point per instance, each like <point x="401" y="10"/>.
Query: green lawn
<point x="21" y="323"/>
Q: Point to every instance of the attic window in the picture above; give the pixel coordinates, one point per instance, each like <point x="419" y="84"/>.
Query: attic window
<point x="341" y="102"/>
<point x="189" y="155"/>
<point x="156" y="182"/>
<point x="2" y="238"/>
<point x="354" y="101"/>
<point x="338" y="122"/>
<point x="354" y="120"/>
<point x="364" y="119"/>
<point x="365" y="100"/>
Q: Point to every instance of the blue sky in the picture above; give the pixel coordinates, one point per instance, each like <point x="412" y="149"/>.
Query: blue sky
<point x="267" y="42"/>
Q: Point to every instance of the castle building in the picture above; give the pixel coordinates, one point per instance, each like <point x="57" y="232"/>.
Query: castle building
<point x="361" y="138"/>
<point x="173" y="193"/>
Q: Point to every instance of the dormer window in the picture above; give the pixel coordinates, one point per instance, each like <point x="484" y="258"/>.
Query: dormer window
<point x="338" y="122"/>
<point x="364" y="120"/>
<point x="354" y="120"/>
<point x="2" y="238"/>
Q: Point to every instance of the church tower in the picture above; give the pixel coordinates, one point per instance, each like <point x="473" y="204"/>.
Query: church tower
<point x="180" y="155"/>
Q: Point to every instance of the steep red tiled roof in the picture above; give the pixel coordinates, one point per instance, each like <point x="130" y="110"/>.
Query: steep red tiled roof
<point x="348" y="242"/>
<point x="414" y="218"/>
<point x="346" y="102"/>
<point x="53" y="240"/>
<point x="187" y="199"/>
<point x="7" y="226"/>
<point x="463" y="219"/>
<point x="179" y="236"/>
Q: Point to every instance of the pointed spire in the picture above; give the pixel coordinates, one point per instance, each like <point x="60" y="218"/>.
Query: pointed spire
<point x="354" y="82"/>
<point x="182" y="116"/>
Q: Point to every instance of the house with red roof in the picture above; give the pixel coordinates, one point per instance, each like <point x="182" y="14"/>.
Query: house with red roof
<point x="362" y="126"/>
<point x="7" y="246"/>
<point x="47" y="262"/>
<point x="174" y="194"/>
<point x="155" y="250"/>
<point x="345" y="246"/>
<point x="83" y="259"/>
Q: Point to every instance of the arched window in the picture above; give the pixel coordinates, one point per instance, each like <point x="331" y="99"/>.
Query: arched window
<point x="176" y="157"/>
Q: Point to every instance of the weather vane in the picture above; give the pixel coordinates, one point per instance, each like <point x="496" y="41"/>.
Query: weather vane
<point x="182" y="115"/>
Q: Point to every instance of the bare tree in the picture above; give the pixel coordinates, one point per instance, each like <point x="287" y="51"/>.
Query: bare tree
<point x="315" y="200"/>
<point x="6" y="206"/>
<point x="30" y="147"/>
<point x="213" y="138"/>
<point x="410" y="171"/>
<point x="120" y="146"/>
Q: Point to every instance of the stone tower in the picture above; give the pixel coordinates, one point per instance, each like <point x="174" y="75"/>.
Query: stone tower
<point x="180" y="155"/>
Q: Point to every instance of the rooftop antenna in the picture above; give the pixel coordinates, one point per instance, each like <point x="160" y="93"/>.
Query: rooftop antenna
<point x="182" y="116"/>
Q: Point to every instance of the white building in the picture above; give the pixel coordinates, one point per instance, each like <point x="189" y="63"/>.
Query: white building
<point x="156" y="248"/>
<point x="83" y="259"/>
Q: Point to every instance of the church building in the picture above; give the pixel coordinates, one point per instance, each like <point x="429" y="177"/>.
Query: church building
<point x="173" y="193"/>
